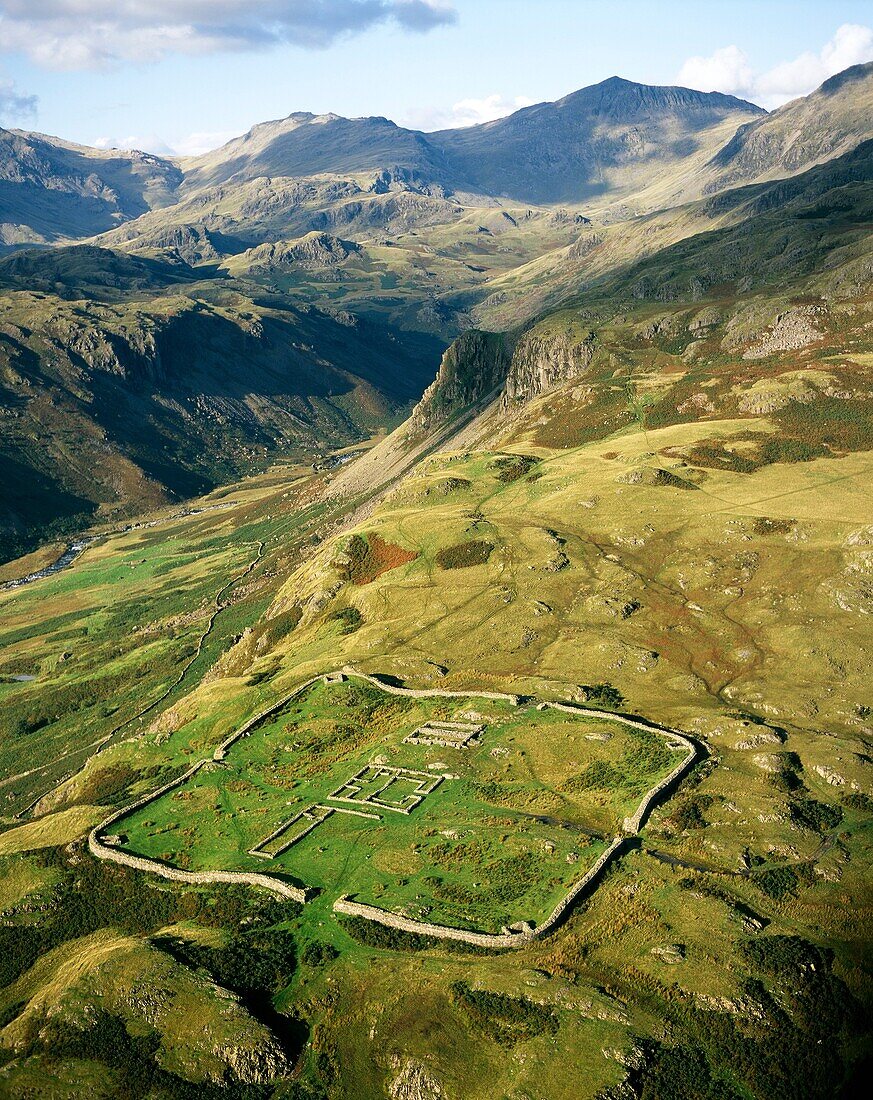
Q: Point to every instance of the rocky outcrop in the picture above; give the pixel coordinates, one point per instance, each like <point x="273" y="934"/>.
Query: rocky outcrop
<point x="192" y="244"/>
<point x="413" y="1082"/>
<point x="542" y="361"/>
<point x="258" y="1065"/>
<point x="474" y="366"/>
<point x="791" y="331"/>
<point x="131" y="355"/>
<point x="312" y="251"/>
<point x="479" y="364"/>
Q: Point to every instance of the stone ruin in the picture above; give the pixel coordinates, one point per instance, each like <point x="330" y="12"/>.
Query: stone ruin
<point x="450" y="735"/>
<point x="354" y="789"/>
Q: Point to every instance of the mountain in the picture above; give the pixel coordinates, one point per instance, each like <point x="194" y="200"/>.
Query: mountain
<point x="569" y="151"/>
<point x="808" y="131"/>
<point x="318" y="266"/>
<point x="719" y="325"/>
<point x="604" y="140"/>
<point x="147" y="390"/>
<point x="315" y="145"/>
<point x="52" y="190"/>
<point x="524" y="753"/>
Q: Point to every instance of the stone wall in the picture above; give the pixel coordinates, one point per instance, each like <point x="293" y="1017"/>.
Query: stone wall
<point x="141" y="863"/>
<point x="434" y="693"/>
<point x="370" y="912"/>
<point x="493" y="940"/>
<point x="250" y="723"/>
<point x="633" y="824"/>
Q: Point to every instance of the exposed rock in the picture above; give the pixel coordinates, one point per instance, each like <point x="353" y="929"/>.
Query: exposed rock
<point x="254" y="1065"/>
<point x="764" y="737"/>
<point x="312" y="251"/>
<point x="474" y="365"/>
<point x="829" y="775"/>
<point x="654" y="476"/>
<point x="413" y="1082"/>
<point x="541" y="362"/>
<point x="670" y="952"/>
<point x="790" y="332"/>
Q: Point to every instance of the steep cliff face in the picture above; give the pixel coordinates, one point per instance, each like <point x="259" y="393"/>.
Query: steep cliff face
<point x="545" y="359"/>
<point x="479" y="363"/>
<point x="471" y="368"/>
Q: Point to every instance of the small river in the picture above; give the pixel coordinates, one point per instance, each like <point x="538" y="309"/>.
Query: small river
<point x="76" y="548"/>
<point x="63" y="562"/>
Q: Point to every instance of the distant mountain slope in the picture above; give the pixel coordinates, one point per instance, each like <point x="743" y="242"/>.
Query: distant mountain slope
<point x="608" y="138"/>
<point x="602" y="253"/>
<point x="808" y="131"/>
<point x="52" y="190"/>
<point x="312" y="145"/>
<point x="131" y="392"/>
<point x="244" y="312"/>
<point x="800" y="253"/>
<point x="567" y="151"/>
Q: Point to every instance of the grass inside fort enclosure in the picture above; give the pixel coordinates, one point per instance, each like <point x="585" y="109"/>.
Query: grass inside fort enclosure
<point x="512" y="822"/>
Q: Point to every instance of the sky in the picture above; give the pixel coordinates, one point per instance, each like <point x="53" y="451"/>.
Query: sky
<point x="183" y="76"/>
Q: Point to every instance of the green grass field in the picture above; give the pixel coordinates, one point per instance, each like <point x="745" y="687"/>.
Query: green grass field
<point x="512" y="823"/>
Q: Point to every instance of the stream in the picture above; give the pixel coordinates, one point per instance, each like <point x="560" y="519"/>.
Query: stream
<point x="63" y="562"/>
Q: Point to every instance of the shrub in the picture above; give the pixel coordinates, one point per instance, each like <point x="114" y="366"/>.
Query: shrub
<point x="136" y="1073"/>
<point x="511" y="468"/>
<point x="370" y="556"/>
<point x="786" y="778"/>
<point x="317" y="953"/>
<point x="776" y="882"/>
<point x="464" y="554"/>
<point x="817" y="816"/>
<point x="504" y="1019"/>
<point x="690" y="812"/>
<point x="858" y="801"/>
<point x="604" y="695"/>
<point x="253" y="961"/>
<point x="373" y="934"/>
<point x="349" y="618"/>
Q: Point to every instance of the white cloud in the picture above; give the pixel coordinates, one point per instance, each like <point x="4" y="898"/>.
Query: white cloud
<point x="470" y="112"/>
<point x="14" y="105"/>
<point x="466" y="112"/>
<point x="729" y="70"/>
<point x="82" y="34"/>
<point x="192" y="145"/>
<point x="145" y="143"/>
<point x="203" y="141"/>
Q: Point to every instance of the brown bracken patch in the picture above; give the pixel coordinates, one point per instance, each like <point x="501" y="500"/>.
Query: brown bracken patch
<point x="370" y="556"/>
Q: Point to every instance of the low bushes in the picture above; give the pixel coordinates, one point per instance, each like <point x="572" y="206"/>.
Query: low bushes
<point x="464" y="554"/>
<point x="506" y="1020"/>
<point x="373" y="934"/>
<point x="817" y="816"/>
<point x="511" y="468"/>
<point x="349" y="618"/>
<point x="369" y="556"/>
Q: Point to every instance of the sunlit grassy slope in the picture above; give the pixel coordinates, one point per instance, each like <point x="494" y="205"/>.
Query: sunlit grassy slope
<point x="666" y="506"/>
